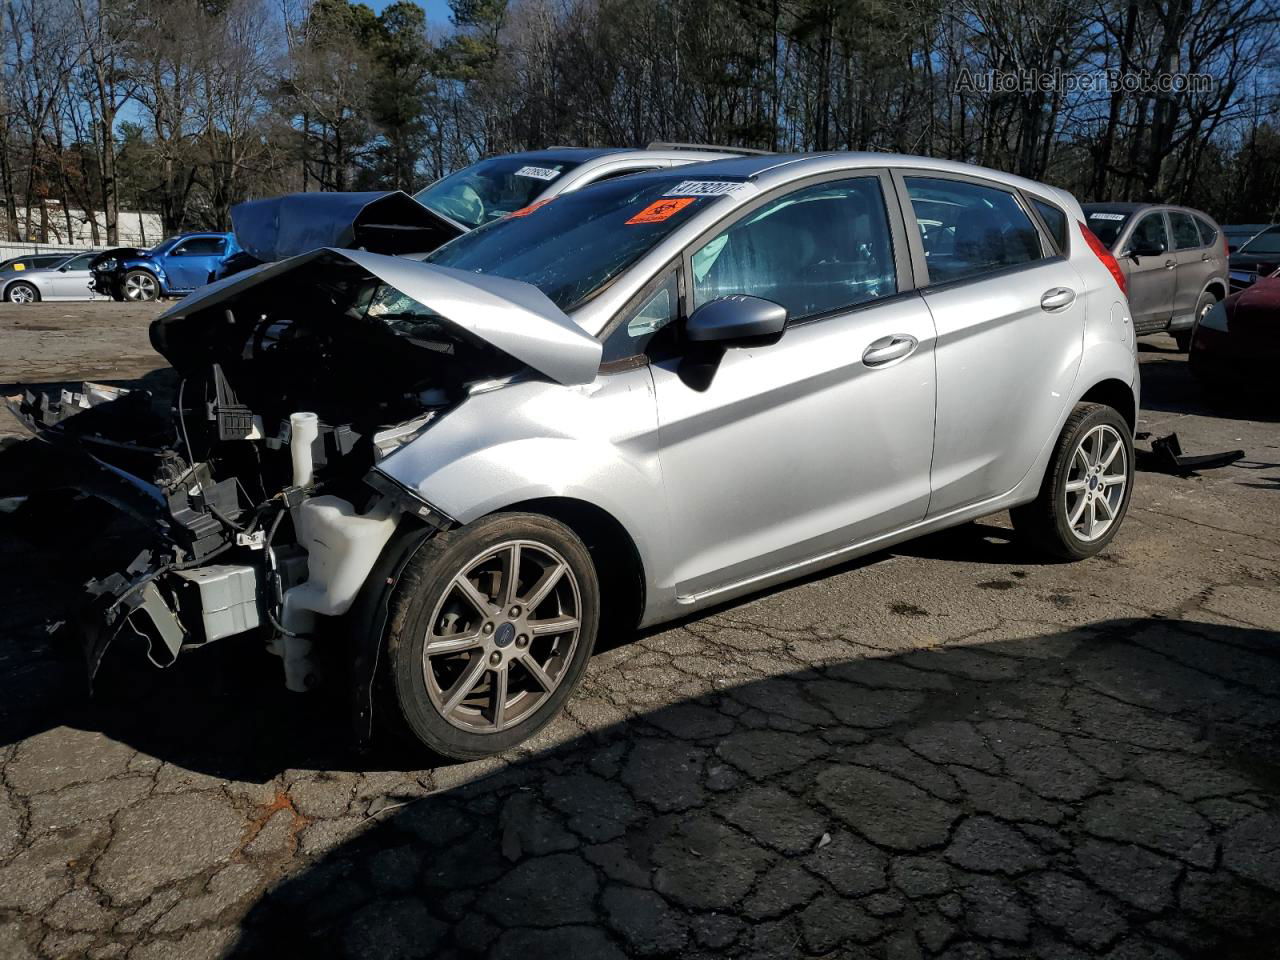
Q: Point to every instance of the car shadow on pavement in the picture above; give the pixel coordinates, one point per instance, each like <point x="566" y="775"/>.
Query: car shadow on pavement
<point x="1104" y="791"/>
<point x="1169" y="387"/>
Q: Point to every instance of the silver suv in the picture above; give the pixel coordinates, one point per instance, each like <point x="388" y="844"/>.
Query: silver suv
<point x="1175" y="260"/>
<point x="615" y="409"/>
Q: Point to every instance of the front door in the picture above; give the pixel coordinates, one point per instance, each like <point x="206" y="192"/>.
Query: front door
<point x="191" y="264"/>
<point x="774" y="455"/>
<point x="1010" y="320"/>
<point x="1150" y="267"/>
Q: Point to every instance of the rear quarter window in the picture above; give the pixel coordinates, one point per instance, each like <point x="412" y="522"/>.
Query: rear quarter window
<point x="1055" y="219"/>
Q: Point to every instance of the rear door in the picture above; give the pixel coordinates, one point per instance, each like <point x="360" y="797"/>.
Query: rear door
<point x="1009" y="314"/>
<point x="775" y="455"/>
<point x="193" y="262"/>
<point x="1196" y="265"/>
<point x="1152" y="276"/>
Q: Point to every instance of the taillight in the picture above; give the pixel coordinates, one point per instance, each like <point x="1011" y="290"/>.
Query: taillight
<point x="1102" y="253"/>
<point x="1226" y="249"/>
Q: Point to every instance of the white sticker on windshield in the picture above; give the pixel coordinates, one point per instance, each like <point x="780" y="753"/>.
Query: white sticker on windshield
<point x="538" y="173"/>
<point x="1106" y="216"/>
<point x="704" y="188"/>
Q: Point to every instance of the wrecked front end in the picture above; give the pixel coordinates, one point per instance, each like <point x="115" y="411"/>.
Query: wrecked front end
<point x="259" y="487"/>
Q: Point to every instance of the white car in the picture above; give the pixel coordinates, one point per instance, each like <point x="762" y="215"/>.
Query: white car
<point x="65" y="280"/>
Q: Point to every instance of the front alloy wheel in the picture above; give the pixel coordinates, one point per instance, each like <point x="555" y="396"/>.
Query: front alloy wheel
<point x="493" y="626"/>
<point x="502" y="636"/>
<point x="140" y="286"/>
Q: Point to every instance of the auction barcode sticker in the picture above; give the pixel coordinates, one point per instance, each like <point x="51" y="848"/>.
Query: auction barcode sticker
<point x="1106" y="216"/>
<point x="704" y="188"/>
<point x="538" y="173"/>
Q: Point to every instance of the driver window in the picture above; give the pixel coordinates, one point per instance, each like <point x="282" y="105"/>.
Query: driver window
<point x="655" y="309"/>
<point x="1150" y="233"/>
<point x="199" y="247"/>
<point x="815" y="251"/>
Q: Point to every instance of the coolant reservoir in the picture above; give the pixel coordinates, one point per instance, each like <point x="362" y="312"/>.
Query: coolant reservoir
<point x="341" y="546"/>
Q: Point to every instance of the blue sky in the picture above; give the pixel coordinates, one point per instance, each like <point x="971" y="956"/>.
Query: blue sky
<point x="437" y="10"/>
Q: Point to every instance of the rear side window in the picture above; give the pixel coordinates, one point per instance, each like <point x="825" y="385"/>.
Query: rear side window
<point x="815" y="251"/>
<point x="969" y="229"/>
<point x="1185" y="234"/>
<point x="1208" y="233"/>
<point x="1054" y="219"/>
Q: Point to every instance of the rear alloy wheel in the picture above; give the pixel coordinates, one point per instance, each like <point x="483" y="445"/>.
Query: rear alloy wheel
<point x="495" y="624"/>
<point x="1086" y="489"/>
<point x="140" y="286"/>
<point x="22" y="292"/>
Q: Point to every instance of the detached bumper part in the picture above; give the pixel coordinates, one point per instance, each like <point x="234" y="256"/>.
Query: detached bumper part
<point x="1167" y="457"/>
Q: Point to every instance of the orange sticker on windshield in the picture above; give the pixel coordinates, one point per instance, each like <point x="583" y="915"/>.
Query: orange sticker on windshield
<point x="525" y="211"/>
<point x="661" y="210"/>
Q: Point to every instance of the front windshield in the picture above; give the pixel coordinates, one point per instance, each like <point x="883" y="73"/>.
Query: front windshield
<point x="1106" y="225"/>
<point x="161" y="247"/>
<point x="491" y="189"/>
<point x="571" y="246"/>
<point x="1267" y="242"/>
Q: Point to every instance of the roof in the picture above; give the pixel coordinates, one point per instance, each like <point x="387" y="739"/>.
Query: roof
<point x="567" y="154"/>
<point x="1119" y="207"/>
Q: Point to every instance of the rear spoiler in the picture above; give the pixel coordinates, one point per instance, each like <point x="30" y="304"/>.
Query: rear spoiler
<point x="278" y="228"/>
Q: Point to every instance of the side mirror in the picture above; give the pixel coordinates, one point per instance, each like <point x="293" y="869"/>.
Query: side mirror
<point x="737" y="321"/>
<point x="1145" y="250"/>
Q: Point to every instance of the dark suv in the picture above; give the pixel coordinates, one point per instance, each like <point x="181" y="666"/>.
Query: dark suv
<point x="1174" y="258"/>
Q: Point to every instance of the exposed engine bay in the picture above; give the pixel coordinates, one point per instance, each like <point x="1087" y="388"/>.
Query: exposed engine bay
<point x="258" y="483"/>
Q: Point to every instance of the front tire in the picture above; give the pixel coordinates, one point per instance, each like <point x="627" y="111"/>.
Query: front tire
<point x="140" y="286"/>
<point x="492" y="626"/>
<point x="1086" y="488"/>
<point x="22" y="292"/>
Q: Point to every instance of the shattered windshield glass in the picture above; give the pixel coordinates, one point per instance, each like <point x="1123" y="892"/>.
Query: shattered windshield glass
<point x="491" y="189"/>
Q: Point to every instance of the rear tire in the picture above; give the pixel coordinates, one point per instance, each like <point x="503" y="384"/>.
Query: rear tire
<point x="505" y="659"/>
<point x="1086" y="488"/>
<point x="22" y="292"/>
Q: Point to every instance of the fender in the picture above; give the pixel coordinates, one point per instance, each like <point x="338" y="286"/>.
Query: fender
<point x="528" y="440"/>
<point x="1104" y="359"/>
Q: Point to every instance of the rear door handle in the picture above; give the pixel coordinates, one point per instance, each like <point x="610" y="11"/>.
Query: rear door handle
<point x="1057" y="298"/>
<point x="1170" y="264"/>
<point x="886" y="349"/>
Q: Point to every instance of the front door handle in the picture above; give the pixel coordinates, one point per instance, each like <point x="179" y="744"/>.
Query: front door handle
<point x="887" y="349"/>
<point x="1170" y="264"/>
<point x="1057" y="298"/>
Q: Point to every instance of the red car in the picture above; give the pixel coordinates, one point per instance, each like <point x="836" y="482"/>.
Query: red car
<point x="1236" y="345"/>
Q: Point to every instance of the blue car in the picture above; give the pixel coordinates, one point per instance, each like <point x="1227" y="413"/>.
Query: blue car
<point x="170" y="269"/>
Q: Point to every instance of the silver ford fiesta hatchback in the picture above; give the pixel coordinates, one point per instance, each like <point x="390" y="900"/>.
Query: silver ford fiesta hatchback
<point x="606" y="410"/>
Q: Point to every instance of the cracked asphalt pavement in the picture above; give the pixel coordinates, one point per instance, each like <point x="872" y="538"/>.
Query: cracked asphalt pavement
<point x="947" y="750"/>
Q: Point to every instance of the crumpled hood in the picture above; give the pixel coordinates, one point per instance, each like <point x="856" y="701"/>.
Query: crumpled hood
<point x="277" y="228"/>
<point x="515" y="317"/>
